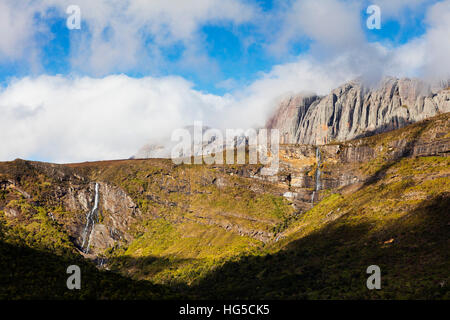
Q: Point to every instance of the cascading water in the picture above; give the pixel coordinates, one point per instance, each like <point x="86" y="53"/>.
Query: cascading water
<point x="319" y="162"/>
<point x="90" y="222"/>
<point x="318" y="186"/>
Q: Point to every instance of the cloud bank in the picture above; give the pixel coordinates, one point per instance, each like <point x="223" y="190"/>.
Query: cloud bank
<point x="119" y="36"/>
<point x="62" y="119"/>
<point x="72" y="118"/>
<point x="66" y="120"/>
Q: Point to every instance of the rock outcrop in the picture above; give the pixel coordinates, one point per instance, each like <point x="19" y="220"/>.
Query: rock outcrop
<point x="354" y="162"/>
<point x="116" y="213"/>
<point x="354" y="110"/>
<point x="69" y="197"/>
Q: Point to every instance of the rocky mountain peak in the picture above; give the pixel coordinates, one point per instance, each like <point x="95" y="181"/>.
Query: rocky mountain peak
<point x="354" y="110"/>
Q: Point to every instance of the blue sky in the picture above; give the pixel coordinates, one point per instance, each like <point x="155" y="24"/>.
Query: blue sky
<point x="237" y="52"/>
<point x="137" y="70"/>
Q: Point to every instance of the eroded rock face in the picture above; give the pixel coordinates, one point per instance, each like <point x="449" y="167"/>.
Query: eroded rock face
<point x="69" y="197"/>
<point x="119" y="211"/>
<point x="290" y="116"/>
<point x="353" y="111"/>
<point x="345" y="164"/>
<point x="116" y="212"/>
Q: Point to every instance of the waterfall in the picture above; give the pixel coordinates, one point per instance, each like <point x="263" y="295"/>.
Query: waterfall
<point x="90" y="222"/>
<point x="318" y="186"/>
<point x="319" y="162"/>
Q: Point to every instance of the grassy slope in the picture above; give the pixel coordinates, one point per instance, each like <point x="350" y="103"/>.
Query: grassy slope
<point x="399" y="222"/>
<point x="34" y="257"/>
<point x="181" y="237"/>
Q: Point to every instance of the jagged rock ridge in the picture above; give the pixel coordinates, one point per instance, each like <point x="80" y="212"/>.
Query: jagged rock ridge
<point x="354" y="110"/>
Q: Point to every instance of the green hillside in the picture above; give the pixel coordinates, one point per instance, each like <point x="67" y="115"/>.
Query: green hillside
<point x="215" y="232"/>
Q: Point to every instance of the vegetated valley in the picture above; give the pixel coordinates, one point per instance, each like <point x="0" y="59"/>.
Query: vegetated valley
<point x="166" y="231"/>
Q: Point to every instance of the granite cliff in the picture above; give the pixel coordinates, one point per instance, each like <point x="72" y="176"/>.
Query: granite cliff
<point x="355" y="110"/>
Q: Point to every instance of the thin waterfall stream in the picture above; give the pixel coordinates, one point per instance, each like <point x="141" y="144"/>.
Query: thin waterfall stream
<point x="317" y="186"/>
<point x="91" y="217"/>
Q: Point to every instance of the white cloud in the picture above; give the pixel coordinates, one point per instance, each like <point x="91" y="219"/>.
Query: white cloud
<point x="62" y="119"/>
<point x="129" y="25"/>
<point x="115" y="34"/>
<point x="331" y="25"/>
<point x="17" y="28"/>
<point x="334" y="28"/>
<point x="425" y="56"/>
<point x="76" y="119"/>
<point x="254" y="104"/>
<point x="395" y="8"/>
<point x="437" y="42"/>
<point x="181" y="18"/>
